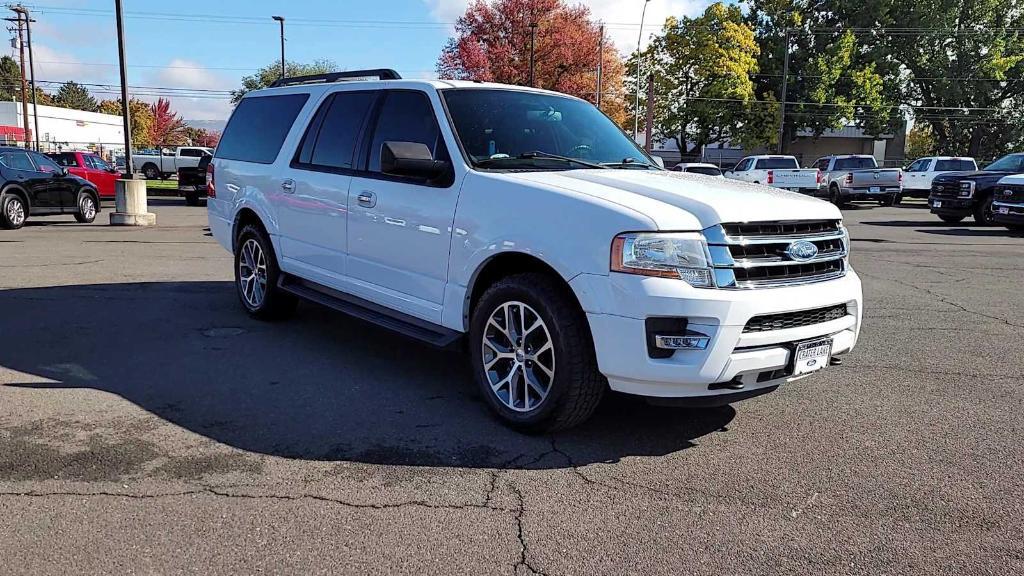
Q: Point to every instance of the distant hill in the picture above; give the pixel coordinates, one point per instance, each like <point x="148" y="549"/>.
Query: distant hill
<point x="211" y="125"/>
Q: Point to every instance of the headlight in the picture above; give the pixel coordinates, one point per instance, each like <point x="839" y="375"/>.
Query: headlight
<point x="665" y="255"/>
<point x="967" y="188"/>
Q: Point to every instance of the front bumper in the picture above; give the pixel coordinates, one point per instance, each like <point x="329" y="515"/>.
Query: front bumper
<point x="1008" y="213"/>
<point x="947" y="206"/>
<point x="617" y="306"/>
<point x="866" y="195"/>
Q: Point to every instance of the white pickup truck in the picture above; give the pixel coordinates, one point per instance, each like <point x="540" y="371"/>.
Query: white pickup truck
<point x="857" y="177"/>
<point x="526" y="225"/>
<point x="165" y="162"/>
<point x="918" y="177"/>
<point x="778" y="171"/>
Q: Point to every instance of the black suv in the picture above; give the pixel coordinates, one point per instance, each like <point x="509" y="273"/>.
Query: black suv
<point x="957" y="195"/>
<point x="32" y="184"/>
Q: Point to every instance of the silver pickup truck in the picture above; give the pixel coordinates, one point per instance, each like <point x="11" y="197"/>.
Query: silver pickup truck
<point x="857" y="178"/>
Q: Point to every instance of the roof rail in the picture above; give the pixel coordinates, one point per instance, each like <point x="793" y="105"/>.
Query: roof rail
<point x="379" y="73"/>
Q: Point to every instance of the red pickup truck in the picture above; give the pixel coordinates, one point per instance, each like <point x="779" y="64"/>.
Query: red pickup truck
<point x="91" y="167"/>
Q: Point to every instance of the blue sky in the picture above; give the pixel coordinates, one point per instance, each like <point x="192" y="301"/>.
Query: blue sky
<point x="211" y="45"/>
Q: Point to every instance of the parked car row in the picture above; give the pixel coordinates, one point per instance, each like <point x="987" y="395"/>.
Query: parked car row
<point x="31" y="184"/>
<point x="957" y="195"/>
<point x="165" y="163"/>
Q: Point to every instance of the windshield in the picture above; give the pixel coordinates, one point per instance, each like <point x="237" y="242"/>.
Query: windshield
<point x="510" y="129"/>
<point x="855" y="163"/>
<point x="706" y="170"/>
<point x="1011" y="163"/>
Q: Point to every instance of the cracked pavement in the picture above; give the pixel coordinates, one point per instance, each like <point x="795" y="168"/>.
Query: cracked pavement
<point x="148" y="426"/>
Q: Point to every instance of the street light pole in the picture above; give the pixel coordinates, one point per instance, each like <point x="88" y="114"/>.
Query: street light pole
<point x="125" y="108"/>
<point x="533" y="47"/>
<point x="280" y="20"/>
<point x="639" y="58"/>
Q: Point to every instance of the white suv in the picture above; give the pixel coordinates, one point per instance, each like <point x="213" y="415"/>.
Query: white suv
<point x="526" y="224"/>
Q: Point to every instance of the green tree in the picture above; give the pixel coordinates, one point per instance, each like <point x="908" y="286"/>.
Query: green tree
<point x="920" y="142"/>
<point x="75" y="96"/>
<point x="10" y="79"/>
<point x="703" y="69"/>
<point x="141" y="119"/>
<point x="270" y="73"/>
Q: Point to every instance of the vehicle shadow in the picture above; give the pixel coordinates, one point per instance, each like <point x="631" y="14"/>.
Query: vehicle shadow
<point x="320" y="387"/>
<point x="980" y="232"/>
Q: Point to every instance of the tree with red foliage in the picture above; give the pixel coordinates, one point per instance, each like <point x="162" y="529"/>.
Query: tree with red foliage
<point x="167" y="129"/>
<point x="492" y="44"/>
<point x="208" y="139"/>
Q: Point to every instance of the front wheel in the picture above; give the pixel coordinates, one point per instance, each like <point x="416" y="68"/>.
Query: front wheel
<point x="256" y="275"/>
<point x="983" y="213"/>
<point x="86" y="208"/>
<point x="533" y="356"/>
<point x="151" y="172"/>
<point x="13" y="212"/>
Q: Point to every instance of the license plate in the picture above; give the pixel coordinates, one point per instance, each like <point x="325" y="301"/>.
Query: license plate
<point x="938" y="204"/>
<point x="1002" y="210"/>
<point x="875" y="189"/>
<point x="812" y="356"/>
<point x="794" y="189"/>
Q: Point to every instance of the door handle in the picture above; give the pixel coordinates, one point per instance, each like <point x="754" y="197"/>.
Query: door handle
<point x="288" y="185"/>
<point x="367" y="199"/>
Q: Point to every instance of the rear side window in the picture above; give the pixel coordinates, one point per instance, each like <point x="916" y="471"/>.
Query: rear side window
<point x="406" y="117"/>
<point x="64" y="159"/>
<point x="706" y="170"/>
<point x="332" y="138"/>
<point x="259" y="126"/>
<point x="855" y="163"/>
<point x="192" y="153"/>
<point x="777" y="164"/>
<point x="954" y="165"/>
<point x="17" y="160"/>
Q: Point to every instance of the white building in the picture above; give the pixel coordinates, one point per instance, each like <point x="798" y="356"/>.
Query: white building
<point x="63" y="128"/>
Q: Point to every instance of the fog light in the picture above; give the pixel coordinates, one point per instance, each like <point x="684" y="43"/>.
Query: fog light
<point x="689" y="341"/>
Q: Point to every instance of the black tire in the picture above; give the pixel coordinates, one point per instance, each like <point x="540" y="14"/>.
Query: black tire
<point x="983" y="213"/>
<point x="150" y="171"/>
<point x="191" y="199"/>
<point x="13" y="212"/>
<point x="88" y="207"/>
<point x="950" y="218"/>
<point x="889" y="201"/>
<point x="576" y="388"/>
<point x="835" y="197"/>
<point x="274" y="304"/>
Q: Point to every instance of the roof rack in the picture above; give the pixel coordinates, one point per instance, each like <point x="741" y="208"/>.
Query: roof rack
<point x="378" y="73"/>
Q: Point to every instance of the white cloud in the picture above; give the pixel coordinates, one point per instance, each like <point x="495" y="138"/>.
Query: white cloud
<point x="54" y="65"/>
<point x="621" y="16"/>
<point x="181" y="73"/>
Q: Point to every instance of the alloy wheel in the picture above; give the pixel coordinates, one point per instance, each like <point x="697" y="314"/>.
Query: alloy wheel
<point x="518" y="356"/>
<point x="252" y="273"/>
<point x="15" y="212"/>
<point x="88" y="208"/>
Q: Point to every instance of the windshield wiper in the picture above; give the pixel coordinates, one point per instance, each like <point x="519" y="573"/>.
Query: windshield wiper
<point x="627" y="163"/>
<point x="545" y="155"/>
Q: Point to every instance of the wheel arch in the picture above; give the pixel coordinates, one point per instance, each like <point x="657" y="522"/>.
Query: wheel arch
<point x="17" y="191"/>
<point x="244" y="217"/>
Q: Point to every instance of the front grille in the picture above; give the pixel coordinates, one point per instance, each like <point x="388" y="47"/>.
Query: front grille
<point x="946" y="189"/>
<point x="770" y="322"/>
<point x="795" y="228"/>
<point x="1010" y="194"/>
<point x="763" y="254"/>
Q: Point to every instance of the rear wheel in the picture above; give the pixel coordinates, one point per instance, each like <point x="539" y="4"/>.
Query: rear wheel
<point x="533" y="356"/>
<point x="835" y="197"/>
<point x="13" y="212"/>
<point x="950" y="219"/>
<point x="256" y="275"/>
<point x="983" y="213"/>
<point x="86" y="208"/>
<point x="150" y="171"/>
<point x="192" y="199"/>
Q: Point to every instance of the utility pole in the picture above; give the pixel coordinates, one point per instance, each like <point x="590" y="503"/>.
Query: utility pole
<point x="22" y="11"/>
<point x="600" y="65"/>
<point x="280" y="20"/>
<point x="125" y="108"/>
<point x="639" y="59"/>
<point x="24" y="83"/>
<point x="782" y="104"/>
<point x="533" y="48"/>
<point x="649" y="132"/>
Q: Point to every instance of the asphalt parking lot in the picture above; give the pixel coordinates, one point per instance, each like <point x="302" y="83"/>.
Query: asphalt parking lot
<point x="148" y="426"/>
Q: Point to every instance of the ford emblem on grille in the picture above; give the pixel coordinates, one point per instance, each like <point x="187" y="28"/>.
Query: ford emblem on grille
<point x="1007" y="192"/>
<point x="802" y="250"/>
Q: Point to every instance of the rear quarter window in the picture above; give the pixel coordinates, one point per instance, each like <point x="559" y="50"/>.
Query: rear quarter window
<point x="259" y="126"/>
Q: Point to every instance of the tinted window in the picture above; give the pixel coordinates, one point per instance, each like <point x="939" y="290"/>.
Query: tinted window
<point x="97" y="162"/>
<point x="64" y="159"/>
<point x="822" y="164"/>
<point x="337" y="133"/>
<point x="777" y="163"/>
<point x="706" y="170"/>
<point x="953" y="165"/>
<point x="855" y="163"/>
<point x="17" y="160"/>
<point x="406" y="117"/>
<point x="259" y="126"/>
<point x="192" y="152"/>
<point x="44" y="164"/>
<point x="919" y="166"/>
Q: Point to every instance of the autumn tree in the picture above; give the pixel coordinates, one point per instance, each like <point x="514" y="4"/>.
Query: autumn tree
<point x="704" y="92"/>
<point x="270" y="73"/>
<point x="75" y="96"/>
<point x="167" y="128"/>
<point x="202" y="137"/>
<point x="492" y="44"/>
<point x="141" y="119"/>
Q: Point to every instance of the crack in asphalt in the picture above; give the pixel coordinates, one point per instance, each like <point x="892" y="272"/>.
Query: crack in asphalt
<point x="944" y="300"/>
<point x="524" y="559"/>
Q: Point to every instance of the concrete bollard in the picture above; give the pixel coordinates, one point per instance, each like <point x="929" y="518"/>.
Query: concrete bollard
<point x="130" y="205"/>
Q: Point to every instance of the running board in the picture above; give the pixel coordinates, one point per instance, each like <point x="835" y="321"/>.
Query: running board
<point x="367" y="311"/>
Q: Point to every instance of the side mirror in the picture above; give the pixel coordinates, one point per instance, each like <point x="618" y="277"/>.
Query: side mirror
<point x="410" y="159"/>
<point x="659" y="161"/>
<point x="63" y="172"/>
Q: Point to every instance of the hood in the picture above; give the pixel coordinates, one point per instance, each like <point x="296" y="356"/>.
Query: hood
<point x="674" y="199"/>
<point x="969" y="175"/>
<point x="1014" y="180"/>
